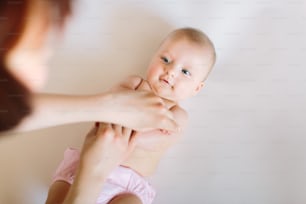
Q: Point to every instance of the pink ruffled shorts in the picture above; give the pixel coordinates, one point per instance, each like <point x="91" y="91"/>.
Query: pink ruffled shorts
<point x="121" y="180"/>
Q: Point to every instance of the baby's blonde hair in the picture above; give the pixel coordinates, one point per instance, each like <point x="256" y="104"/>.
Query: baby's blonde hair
<point x="195" y="36"/>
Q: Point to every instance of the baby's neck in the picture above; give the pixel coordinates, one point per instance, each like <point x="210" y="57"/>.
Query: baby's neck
<point x="169" y="104"/>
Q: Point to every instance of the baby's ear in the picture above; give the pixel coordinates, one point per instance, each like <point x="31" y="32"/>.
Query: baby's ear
<point x="199" y="88"/>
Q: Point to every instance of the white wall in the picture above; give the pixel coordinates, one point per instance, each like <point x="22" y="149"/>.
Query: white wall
<point x="246" y="139"/>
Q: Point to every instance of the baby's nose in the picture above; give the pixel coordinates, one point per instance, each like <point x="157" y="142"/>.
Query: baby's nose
<point x="172" y="71"/>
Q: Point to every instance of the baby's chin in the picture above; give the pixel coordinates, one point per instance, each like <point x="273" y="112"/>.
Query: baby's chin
<point x="158" y="91"/>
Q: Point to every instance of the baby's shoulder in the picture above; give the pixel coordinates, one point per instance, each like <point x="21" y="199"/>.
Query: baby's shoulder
<point x="131" y="82"/>
<point x="134" y="78"/>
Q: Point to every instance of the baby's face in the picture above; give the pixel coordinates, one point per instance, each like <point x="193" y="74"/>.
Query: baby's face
<point x="178" y="69"/>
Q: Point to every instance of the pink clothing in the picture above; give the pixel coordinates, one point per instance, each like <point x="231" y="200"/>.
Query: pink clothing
<point x="121" y="180"/>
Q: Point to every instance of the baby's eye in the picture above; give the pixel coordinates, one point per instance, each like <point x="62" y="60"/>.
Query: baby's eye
<point x="186" y="72"/>
<point x="165" y="60"/>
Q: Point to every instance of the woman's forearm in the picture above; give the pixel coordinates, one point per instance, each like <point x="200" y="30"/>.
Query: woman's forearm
<point x="85" y="189"/>
<point x="53" y="109"/>
<point x="139" y="110"/>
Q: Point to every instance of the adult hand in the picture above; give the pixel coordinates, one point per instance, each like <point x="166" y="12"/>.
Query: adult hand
<point x="104" y="148"/>
<point x="140" y="110"/>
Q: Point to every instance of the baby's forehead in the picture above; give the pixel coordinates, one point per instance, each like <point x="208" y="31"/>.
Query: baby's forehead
<point x="195" y="39"/>
<point x="174" y="41"/>
<point x="202" y="51"/>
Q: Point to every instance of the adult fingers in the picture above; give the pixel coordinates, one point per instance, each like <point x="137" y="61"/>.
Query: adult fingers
<point x="126" y="132"/>
<point x="105" y="130"/>
<point x="169" y="124"/>
<point x="92" y="132"/>
<point x="122" y="132"/>
<point x="117" y="129"/>
<point x="132" y="140"/>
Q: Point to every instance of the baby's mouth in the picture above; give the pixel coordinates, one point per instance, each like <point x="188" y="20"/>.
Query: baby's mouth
<point x="166" y="81"/>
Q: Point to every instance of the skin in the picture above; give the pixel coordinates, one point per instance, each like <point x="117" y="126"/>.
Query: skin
<point x="177" y="70"/>
<point x="137" y="110"/>
<point x="126" y="199"/>
<point x="85" y="189"/>
<point x="175" y="73"/>
<point x="108" y="141"/>
<point x="28" y="62"/>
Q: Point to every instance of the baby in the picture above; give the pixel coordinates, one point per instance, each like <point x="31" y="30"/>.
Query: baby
<point x="177" y="71"/>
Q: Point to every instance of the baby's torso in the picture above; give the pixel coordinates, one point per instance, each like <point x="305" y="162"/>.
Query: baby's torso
<point x="152" y="145"/>
<point x="144" y="162"/>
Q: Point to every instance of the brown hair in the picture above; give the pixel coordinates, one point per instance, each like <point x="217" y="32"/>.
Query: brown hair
<point x="15" y="101"/>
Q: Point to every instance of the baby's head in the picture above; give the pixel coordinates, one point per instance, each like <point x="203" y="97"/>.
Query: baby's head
<point x="181" y="64"/>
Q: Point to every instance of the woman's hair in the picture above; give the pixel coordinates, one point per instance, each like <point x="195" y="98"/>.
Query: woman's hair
<point x="15" y="98"/>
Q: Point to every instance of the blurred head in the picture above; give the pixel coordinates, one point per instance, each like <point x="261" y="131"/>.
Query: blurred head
<point x="24" y="51"/>
<point x="181" y="64"/>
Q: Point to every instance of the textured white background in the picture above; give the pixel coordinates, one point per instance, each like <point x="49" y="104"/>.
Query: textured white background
<point x="246" y="139"/>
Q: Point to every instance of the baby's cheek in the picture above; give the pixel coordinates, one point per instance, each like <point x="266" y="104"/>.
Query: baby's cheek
<point x="181" y="93"/>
